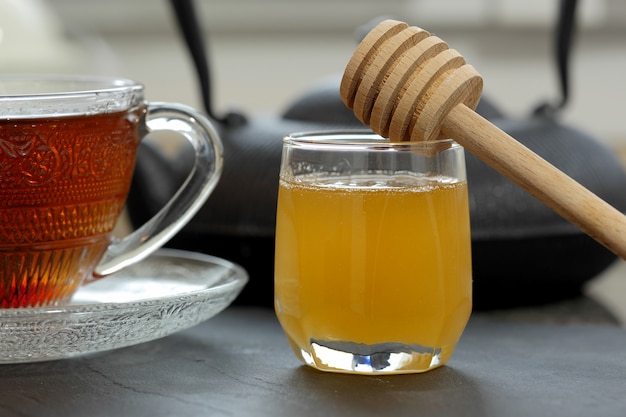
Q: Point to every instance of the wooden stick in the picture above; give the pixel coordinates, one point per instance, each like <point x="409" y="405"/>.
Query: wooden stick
<point x="534" y="174"/>
<point x="407" y="85"/>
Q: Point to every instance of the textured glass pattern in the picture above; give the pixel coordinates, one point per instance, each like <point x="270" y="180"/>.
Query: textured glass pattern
<point x="169" y="291"/>
<point x="63" y="184"/>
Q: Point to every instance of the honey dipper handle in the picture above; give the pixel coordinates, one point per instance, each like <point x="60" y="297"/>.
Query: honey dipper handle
<point x="534" y="174"/>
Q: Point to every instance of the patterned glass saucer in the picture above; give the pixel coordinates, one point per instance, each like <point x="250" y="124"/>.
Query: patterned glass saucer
<point x="169" y="291"/>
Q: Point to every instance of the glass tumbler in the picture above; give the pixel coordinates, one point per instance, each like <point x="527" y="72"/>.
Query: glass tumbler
<point x="373" y="251"/>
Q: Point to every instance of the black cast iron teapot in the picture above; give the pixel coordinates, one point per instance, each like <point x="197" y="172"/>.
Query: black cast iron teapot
<point x="522" y="252"/>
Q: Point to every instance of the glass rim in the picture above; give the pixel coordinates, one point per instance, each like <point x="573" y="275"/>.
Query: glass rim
<point x="34" y="86"/>
<point x="357" y="138"/>
<point x="35" y="96"/>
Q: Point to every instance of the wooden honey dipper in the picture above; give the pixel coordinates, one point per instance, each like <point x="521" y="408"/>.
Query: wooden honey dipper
<point x="408" y="86"/>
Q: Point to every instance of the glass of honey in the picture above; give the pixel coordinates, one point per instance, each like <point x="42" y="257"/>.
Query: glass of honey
<point x="373" y="251"/>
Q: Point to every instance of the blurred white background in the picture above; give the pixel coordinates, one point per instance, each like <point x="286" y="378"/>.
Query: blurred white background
<point x="265" y="53"/>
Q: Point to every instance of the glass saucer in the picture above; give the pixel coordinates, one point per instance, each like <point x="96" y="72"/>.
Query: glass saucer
<point x="169" y="291"/>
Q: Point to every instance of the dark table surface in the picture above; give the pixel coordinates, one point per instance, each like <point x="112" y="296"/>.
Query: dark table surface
<point x="239" y="364"/>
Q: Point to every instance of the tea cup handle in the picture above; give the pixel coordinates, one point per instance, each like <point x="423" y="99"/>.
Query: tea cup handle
<point x="203" y="178"/>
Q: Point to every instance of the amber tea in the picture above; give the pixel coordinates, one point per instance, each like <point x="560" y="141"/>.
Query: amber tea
<point x="63" y="184"/>
<point x="67" y="156"/>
